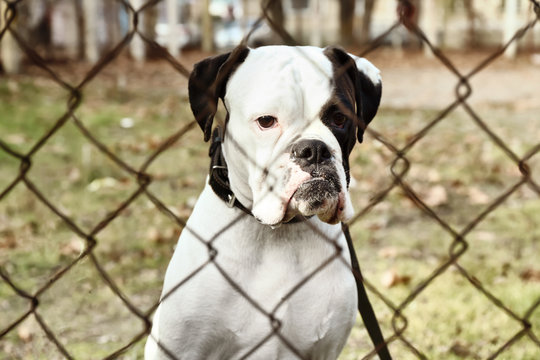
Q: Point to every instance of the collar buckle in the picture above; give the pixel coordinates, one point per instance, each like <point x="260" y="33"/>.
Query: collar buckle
<point x="229" y="198"/>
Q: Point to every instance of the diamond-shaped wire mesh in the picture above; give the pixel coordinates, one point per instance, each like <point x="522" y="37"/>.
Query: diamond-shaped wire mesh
<point x="88" y="255"/>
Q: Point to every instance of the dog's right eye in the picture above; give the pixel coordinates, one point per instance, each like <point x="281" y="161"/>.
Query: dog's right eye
<point x="267" y="122"/>
<point x="339" y="120"/>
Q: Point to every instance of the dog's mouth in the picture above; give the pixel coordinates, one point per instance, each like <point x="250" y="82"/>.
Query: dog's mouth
<point x="319" y="196"/>
<point x="303" y="193"/>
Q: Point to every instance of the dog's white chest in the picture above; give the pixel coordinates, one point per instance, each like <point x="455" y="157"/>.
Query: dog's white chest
<point x="273" y="292"/>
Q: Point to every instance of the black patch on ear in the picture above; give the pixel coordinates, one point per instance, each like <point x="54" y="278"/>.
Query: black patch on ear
<point x="367" y="95"/>
<point x="207" y="84"/>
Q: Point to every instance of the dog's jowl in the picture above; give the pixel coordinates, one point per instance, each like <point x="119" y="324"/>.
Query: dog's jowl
<point x="262" y="269"/>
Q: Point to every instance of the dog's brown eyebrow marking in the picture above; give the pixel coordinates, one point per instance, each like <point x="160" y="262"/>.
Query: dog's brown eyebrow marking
<point x="335" y="104"/>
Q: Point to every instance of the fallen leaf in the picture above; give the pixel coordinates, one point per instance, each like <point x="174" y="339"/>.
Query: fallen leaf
<point x="106" y="182"/>
<point x="389" y="252"/>
<point x="74" y="175"/>
<point x="162" y="235"/>
<point x="391" y="278"/>
<point x="486" y="236"/>
<point x="125" y="180"/>
<point x="532" y="275"/>
<point x="477" y="196"/>
<point x="74" y="247"/>
<point x="426" y="173"/>
<point x="188" y="182"/>
<point x="13" y="86"/>
<point x="183" y="212"/>
<point x="8" y="240"/>
<point x="127" y="123"/>
<point x="436" y="196"/>
<point x="171" y="233"/>
<point x="154" y="142"/>
<point x="26" y="331"/>
<point x="460" y="349"/>
<point x="433" y="175"/>
<point x="16" y="139"/>
<point x="153" y="235"/>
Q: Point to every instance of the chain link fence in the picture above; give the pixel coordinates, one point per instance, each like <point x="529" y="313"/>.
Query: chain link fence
<point x="22" y="304"/>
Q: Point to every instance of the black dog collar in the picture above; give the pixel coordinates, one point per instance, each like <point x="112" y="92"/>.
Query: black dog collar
<point x="219" y="178"/>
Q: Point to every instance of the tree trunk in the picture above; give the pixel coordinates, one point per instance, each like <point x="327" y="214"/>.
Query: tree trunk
<point x="410" y="10"/>
<point x="150" y="16"/>
<point x="91" y="51"/>
<point x="429" y="23"/>
<point x="471" y="23"/>
<point x="9" y="49"/>
<point x="172" y="26"/>
<point x="114" y="33"/>
<point x="346" y="20"/>
<point x="81" y="33"/>
<point x="366" y="21"/>
<point x="136" y="47"/>
<point x="275" y="10"/>
<point x="245" y="19"/>
<point x="207" y="43"/>
<point x="316" y="37"/>
<point x="510" y="27"/>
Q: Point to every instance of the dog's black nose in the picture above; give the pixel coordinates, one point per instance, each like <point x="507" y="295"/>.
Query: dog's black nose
<point x="311" y="151"/>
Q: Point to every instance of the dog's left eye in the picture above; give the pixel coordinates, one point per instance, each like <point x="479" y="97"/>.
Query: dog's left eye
<point x="339" y="120"/>
<point x="266" y="122"/>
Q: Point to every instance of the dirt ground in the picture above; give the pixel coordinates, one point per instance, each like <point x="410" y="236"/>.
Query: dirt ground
<point x="414" y="81"/>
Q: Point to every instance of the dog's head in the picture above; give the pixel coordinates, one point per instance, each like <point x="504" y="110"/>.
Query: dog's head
<point x="293" y="117"/>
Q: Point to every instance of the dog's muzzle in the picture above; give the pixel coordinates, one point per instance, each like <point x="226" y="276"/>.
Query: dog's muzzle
<point x="321" y="194"/>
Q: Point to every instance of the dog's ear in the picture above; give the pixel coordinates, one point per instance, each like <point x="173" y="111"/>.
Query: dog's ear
<point x="367" y="84"/>
<point x="207" y="84"/>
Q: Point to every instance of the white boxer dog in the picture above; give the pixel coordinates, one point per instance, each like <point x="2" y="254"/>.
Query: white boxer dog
<point x="262" y="269"/>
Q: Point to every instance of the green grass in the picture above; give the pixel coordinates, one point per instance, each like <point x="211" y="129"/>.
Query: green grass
<point x="450" y="319"/>
<point x="134" y="249"/>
